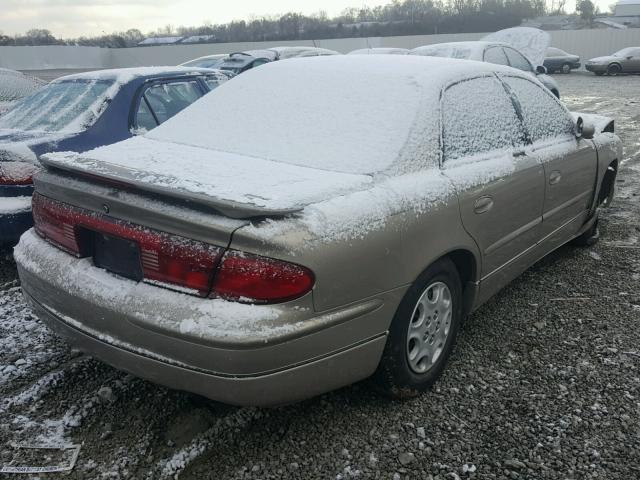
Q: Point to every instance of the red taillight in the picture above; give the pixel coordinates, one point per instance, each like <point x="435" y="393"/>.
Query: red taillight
<point x="17" y="173"/>
<point x="169" y="260"/>
<point x="251" y="278"/>
<point x="56" y="223"/>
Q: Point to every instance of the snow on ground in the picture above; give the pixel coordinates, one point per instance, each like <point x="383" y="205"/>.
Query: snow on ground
<point x="544" y="383"/>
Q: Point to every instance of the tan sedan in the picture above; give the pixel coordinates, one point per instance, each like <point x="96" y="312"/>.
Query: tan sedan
<point x="312" y="223"/>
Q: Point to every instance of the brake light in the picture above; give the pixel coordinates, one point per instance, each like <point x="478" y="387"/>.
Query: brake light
<point x="17" y="173"/>
<point x="55" y="222"/>
<point x="252" y="278"/>
<point x="166" y="259"/>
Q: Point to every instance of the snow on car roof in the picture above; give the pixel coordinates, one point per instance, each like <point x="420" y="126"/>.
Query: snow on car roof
<point x="354" y="114"/>
<point x="461" y="50"/>
<point x="124" y="75"/>
<point x="379" y="51"/>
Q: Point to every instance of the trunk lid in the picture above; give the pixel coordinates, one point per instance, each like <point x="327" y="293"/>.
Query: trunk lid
<point x="232" y="184"/>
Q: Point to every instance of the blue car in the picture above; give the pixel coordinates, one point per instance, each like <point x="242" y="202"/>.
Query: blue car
<point x="81" y="112"/>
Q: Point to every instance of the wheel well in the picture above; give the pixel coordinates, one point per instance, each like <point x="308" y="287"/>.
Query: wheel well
<point x="614" y="63"/>
<point x="465" y="263"/>
<point x="608" y="183"/>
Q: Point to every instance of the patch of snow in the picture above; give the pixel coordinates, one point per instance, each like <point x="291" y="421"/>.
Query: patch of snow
<point x="13" y="205"/>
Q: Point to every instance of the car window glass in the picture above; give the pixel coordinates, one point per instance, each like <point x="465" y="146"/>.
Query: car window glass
<point x="555" y="52"/>
<point x="167" y="99"/>
<point x="543" y="116"/>
<point x="144" y="118"/>
<point x="478" y="116"/>
<point x="517" y="60"/>
<point x="495" y="55"/>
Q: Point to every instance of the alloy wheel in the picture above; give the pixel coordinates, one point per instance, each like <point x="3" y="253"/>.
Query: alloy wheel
<point x="429" y="327"/>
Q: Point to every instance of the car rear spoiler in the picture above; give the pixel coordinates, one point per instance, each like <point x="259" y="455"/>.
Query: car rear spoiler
<point x="122" y="177"/>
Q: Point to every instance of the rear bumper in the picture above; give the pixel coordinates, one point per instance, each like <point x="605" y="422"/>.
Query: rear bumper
<point x="596" y="68"/>
<point x="238" y="354"/>
<point x="277" y="388"/>
<point x="14" y="224"/>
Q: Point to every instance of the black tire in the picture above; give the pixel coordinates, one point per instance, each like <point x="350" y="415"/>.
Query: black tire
<point x="613" y="69"/>
<point x="566" y="68"/>
<point x="589" y="237"/>
<point x="395" y="377"/>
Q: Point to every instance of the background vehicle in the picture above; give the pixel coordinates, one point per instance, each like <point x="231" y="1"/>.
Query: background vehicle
<point x="626" y="60"/>
<point x="394" y="201"/>
<point x="81" y="112"/>
<point x="557" y="60"/>
<point x="284" y="53"/>
<point x="208" y="61"/>
<point x="240" y="62"/>
<point x="14" y="86"/>
<point x="491" y="52"/>
<point x="379" y="51"/>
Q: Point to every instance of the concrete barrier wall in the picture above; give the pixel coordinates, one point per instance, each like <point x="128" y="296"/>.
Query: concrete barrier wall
<point x="586" y="43"/>
<point x="54" y="57"/>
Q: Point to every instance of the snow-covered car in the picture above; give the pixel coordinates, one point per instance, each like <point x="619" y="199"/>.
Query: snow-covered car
<point x="14" y="86"/>
<point x="626" y="60"/>
<point x="380" y="51"/>
<point x="284" y="53"/>
<point x="81" y="112"/>
<point x="557" y="60"/>
<point x="262" y="259"/>
<point x="491" y="52"/>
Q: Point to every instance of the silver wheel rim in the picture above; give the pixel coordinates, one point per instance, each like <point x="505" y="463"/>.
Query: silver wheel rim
<point x="566" y="68"/>
<point x="429" y="327"/>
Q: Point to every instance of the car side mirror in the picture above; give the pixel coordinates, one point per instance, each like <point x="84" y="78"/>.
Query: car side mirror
<point x="584" y="129"/>
<point x="541" y="70"/>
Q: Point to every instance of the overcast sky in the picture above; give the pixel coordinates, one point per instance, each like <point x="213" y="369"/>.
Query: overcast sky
<point x="73" y="18"/>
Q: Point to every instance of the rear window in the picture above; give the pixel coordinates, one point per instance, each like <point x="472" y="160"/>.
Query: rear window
<point x="444" y="51"/>
<point x="65" y="106"/>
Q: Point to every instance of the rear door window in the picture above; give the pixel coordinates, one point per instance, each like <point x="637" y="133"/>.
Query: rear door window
<point x="496" y="55"/>
<point x="478" y="116"/>
<point x="543" y="115"/>
<point x="168" y="99"/>
<point x="145" y="120"/>
<point x="517" y="60"/>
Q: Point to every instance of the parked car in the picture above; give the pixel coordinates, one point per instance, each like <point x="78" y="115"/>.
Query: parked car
<point x="626" y="60"/>
<point x="379" y="51"/>
<point x="81" y="112"/>
<point x="261" y="259"/>
<point x="240" y="62"/>
<point x="208" y="61"/>
<point x="492" y="52"/>
<point x="284" y="53"/>
<point x="14" y="86"/>
<point x="557" y="60"/>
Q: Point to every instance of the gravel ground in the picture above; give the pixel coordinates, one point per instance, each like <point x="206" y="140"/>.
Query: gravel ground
<point x="544" y="382"/>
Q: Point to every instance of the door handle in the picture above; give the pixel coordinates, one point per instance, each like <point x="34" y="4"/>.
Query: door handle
<point x="483" y="204"/>
<point x="554" y="177"/>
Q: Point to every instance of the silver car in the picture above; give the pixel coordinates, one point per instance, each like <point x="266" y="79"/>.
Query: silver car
<point x="344" y="229"/>
<point x="626" y="60"/>
<point x="492" y="52"/>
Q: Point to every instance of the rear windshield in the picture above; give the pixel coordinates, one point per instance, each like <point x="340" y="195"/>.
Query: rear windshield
<point x="65" y="106"/>
<point x="555" y="52"/>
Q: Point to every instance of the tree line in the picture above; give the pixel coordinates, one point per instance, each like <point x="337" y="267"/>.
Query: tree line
<point x="400" y="17"/>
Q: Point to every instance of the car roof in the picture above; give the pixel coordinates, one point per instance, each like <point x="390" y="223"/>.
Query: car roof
<point x="124" y="75"/>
